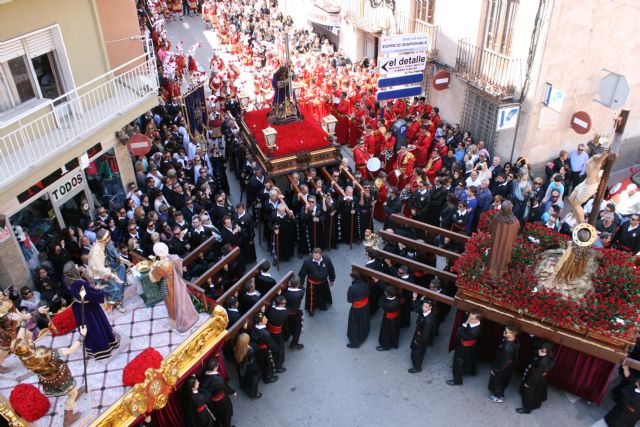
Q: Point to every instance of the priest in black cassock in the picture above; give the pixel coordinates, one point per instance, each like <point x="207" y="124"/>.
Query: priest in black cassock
<point x="535" y="379"/>
<point x="220" y="403"/>
<point x="465" y="356"/>
<point x="423" y="334"/>
<point x="261" y="338"/>
<point x="294" y="294"/>
<point x="390" y="326"/>
<point x="320" y="275"/>
<point x="502" y="368"/>
<point x="358" y="325"/>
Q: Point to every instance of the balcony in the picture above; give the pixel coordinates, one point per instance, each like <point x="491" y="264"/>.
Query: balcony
<point x="382" y="20"/>
<point x="495" y="74"/>
<point x="60" y="124"/>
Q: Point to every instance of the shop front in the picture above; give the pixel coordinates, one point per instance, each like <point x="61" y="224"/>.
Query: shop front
<point x="67" y="197"/>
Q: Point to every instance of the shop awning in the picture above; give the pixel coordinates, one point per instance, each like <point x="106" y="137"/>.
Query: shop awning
<point x="324" y="17"/>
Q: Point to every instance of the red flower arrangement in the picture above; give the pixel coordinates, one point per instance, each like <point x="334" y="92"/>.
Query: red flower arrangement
<point x="63" y="322"/>
<point x="134" y="372"/>
<point x="292" y="137"/>
<point x="486" y="217"/>
<point x="612" y="309"/>
<point x="29" y="402"/>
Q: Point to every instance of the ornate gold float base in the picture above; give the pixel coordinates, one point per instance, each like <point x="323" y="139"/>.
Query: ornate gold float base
<point x="153" y="393"/>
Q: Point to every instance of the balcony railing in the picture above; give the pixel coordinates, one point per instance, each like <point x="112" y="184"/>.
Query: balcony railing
<point x="63" y="122"/>
<point x="381" y="19"/>
<point x="495" y="74"/>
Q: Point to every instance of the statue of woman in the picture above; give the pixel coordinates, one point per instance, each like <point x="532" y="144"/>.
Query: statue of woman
<point x="182" y="314"/>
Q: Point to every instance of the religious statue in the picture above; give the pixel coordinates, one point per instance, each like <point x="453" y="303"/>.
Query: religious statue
<point x="100" y="341"/>
<point x="589" y="186"/>
<point x="151" y="291"/>
<point x="168" y="270"/>
<point x="53" y="373"/>
<point x="504" y="232"/>
<point x="10" y="319"/>
<point x="284" y="108"/>
<point x="101" y="272"/>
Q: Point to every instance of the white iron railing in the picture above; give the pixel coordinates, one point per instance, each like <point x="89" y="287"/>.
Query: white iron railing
<point x="63" y="122"/>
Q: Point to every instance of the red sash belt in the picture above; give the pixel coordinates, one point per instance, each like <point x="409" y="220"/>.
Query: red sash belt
<point x="392" y="314"/>
<point x="468" y="343"/>
<point x="624" y="248"/>
<point x="263" y="346"/>
<point x="218" y="397"/>
<point x="274" y="329"/>
<point x="460" y="227"/>
<point x="315" y="281"/>
<point x="360" y="303"/>
<point x="200" y="409"/>
<point x="418" y="273"/>
<point x="630" y="408"/>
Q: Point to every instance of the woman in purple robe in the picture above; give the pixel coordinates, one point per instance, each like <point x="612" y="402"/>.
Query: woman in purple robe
<point x="100" y="340"/>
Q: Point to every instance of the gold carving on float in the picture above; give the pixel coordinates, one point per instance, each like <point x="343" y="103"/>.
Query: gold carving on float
<point x="153" y="393"/>
<point x="7" y="412"/>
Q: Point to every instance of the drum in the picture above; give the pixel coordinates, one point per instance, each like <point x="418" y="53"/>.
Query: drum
<point x="374" y="164"/>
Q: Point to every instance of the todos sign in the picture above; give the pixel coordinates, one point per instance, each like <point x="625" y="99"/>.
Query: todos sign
<point x="71" y="181"/>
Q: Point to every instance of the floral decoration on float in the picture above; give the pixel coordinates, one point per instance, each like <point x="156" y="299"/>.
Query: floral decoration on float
<point x="606" y="307"/>
<point x="134" y="371"/>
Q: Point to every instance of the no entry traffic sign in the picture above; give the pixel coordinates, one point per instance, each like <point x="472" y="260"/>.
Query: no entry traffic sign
<point x="139" y="144"/>
<point x="581" y="122"/>
<point x="441" y="80"/>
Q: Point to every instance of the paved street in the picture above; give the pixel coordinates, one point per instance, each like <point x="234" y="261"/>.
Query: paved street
<point x="327" y="384"/>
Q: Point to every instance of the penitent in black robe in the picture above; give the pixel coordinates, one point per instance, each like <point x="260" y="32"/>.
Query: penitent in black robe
<point x="390" y="326"/>
<point x="358" y="325"/>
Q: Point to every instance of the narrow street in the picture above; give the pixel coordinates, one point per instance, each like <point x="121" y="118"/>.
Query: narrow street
<point x="327" y="384"/>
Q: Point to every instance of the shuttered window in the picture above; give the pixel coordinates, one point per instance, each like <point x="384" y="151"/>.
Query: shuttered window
<point x="23" y="62"/>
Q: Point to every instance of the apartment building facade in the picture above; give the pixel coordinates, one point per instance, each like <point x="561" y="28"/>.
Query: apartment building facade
<point x="71" y="74"/>
<point x="545" y="58"/>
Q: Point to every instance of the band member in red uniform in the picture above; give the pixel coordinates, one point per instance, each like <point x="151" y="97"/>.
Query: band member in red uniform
<point x="342" y="127"/>
<point x="388" y="149"/>
<point x="360" y="157"/>
<point x="381" y="189"/>
<point x="370" y="141"/>
<point x="399" y="108"/>
<point x="434" y="165"/>
<point x="404" y="163"/>
<point x="357" y="122"/>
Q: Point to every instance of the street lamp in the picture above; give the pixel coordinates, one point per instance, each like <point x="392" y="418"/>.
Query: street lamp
<point x="330" y="123"/>
<point x="270" y="135"/>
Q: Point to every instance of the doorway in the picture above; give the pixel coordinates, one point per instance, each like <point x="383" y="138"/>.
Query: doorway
<point x="75" y="210"/>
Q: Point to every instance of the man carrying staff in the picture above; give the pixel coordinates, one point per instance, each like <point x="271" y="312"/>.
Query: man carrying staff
<point x="320" y="275"/>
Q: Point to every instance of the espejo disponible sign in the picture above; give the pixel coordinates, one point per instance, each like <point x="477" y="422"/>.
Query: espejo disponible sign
<point x="416" y="42"/>
<point x="71" y="181"/>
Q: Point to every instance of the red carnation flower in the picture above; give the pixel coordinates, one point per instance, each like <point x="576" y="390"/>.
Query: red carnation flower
<point x="134" y="372"/>
<point x="29" y="402"/>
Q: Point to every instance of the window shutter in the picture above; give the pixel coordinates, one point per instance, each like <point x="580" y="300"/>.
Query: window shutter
<point x="11" y="49"/>
<point x="40" y="43"/>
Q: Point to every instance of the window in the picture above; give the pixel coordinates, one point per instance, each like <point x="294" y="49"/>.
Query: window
<point x="500" y="18"/>
<point x="479" y="117"/>
<point x="28" y="70"/>
<point x="424" y="10"/>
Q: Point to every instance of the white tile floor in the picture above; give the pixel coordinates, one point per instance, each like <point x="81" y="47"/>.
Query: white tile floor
<point x="104" y="377"/>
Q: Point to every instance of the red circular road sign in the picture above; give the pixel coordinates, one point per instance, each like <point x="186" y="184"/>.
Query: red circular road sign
<point x="441" y="80"/>
<point x="581" y="122"/>
<point x="139" y="144"/>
